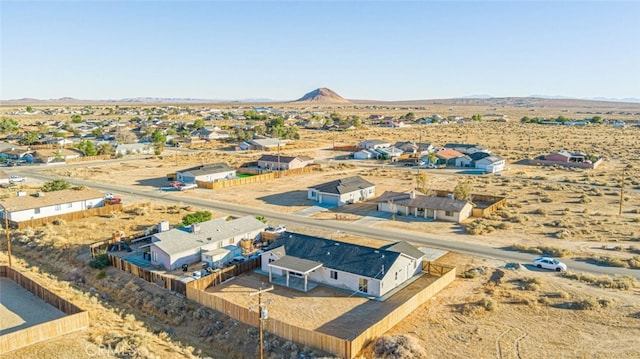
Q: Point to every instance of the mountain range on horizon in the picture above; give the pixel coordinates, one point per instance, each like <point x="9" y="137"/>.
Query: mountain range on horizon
<point x="320" y="95"/>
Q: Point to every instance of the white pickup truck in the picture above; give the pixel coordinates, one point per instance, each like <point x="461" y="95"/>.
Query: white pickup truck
<point x="14" y="179"/>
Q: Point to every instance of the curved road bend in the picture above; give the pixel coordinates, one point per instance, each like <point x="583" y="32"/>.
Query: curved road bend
<point x="473" y="249"/>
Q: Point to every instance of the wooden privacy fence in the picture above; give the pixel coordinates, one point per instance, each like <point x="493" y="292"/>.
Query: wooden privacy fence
<point x="151" y="276"/>
<point x="102" y="246"/>
<point x="218" y="277"/>
<point x="88" y="158"/>
<point x="260" y="176"/>
<point x="75" y="319"/>
<point x="343" y="347"/>
<point x="401" y="312"/>
<point x="96" y="211"/>
<point x="282" y="329"/>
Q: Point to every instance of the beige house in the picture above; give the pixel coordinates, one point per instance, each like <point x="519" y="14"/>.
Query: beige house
<point x="419" y="205"/>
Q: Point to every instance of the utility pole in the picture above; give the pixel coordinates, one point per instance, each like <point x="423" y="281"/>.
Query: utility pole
<point x="621" y="191"/>
<point x="262" y="312"/>
<point x="6" y="231"/>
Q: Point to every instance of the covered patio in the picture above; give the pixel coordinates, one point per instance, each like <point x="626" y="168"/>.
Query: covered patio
<point x="296" y="267"/>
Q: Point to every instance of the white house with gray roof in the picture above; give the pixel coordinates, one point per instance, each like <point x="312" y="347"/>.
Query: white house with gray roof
<point x="207" y="173"/>
<point x="342" y="191"/>
<point x="178" y="246"/>
<point x="419" y="205"/>
<point x="373" y="272"/>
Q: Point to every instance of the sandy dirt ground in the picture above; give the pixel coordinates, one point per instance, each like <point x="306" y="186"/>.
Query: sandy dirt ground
<point x="20" y="308"/>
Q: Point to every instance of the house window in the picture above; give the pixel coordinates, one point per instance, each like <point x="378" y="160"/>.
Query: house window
<point x="396" y="275"/>
<point x="69" y="205"/>
<point x="36" y="210"/>
<point x="363" y="285"/>
<point x="448" y="213"/>
<point x="313" y="194"/>
<point x="334" y="275"/>
<point x="154" y="256"/>
<point x="58" y="207"/>
<point x="271" y="260"/>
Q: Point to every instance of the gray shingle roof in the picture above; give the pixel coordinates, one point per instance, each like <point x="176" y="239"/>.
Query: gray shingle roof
<point x="404" y="248"/>
<point x="344" y="185"/>
<point x="273" y="158"/>
<point x="346" y="257"/>
<point x="178" y="240"/>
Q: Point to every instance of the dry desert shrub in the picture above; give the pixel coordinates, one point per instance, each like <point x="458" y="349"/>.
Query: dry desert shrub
<point x="542" y="250"/>
<point x="398" y="347"/>
<point x="530" y="283"/>
<point x="626" y="282"/>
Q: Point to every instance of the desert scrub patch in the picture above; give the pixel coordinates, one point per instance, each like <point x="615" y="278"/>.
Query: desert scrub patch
<point x="609" y="261"/>
<point x="539" y="211"/>
<point x="474" y="307"/>
<point x="530" y="283"/>
<point x="399" y="346"/>
<point x="542" y="250"/>
<point x="479" y="227"/>
<point x="101" y="261"/>
<point x="625" y="282"/>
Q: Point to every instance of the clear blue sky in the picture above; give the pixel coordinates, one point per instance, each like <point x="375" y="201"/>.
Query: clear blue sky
<point x="379" y="50"/>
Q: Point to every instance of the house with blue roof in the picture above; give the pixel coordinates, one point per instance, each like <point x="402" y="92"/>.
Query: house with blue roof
<point x="369" y="271"/>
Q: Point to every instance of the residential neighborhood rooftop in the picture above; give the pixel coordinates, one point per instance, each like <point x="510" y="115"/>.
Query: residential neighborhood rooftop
<point x="343" y="185"/>
<point x="19" y="203"/>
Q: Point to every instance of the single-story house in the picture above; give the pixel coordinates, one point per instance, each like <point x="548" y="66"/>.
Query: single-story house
<point x="24" y="207"/>
<point x="342" y="191"/>
<point x="565" y="156"/>
<point x="212" y="133"/>
<point x="464" y="161"/>
<point x="266" y="144"/>
<point x="419" y="149"/>
<point x="419" y="205"/>
<point x="175" y="247"/>
<point x="281" y="163"/>
<point x="448" y="157"/>
<point x="366" y="154"/>
<point x="389" y="153"/>
<point x="466" y="148"/>
<point x="373" y="144"/>
<point x="373" y="272"/>
<point x="55" y="155"/>
<point x="134" y="148"/>
<point x="206" y="173"/>
<point x="491" y="164"/>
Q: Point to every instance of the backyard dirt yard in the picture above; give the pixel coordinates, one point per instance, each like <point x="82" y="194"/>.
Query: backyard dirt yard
<point x="490" y="311"/>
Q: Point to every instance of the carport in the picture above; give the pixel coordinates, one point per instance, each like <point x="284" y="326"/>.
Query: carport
<point x="296" y="266"/>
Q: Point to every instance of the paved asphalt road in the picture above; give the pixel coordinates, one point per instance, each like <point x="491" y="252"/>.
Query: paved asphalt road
<point x="479" y="250"/>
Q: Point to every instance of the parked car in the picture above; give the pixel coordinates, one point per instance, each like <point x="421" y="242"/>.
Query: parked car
<point x="237" y="260"/>
<point x="109" y="196"/>
<point x="14" y="179"/>
<point x="176" y="184"/>
<point x="114" y="200"/>
<point x="549" y="263"/>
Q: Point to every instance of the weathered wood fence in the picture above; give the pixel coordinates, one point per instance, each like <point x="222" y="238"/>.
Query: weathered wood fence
<point x="75" y="319"/>
<point x="156" y="277"/>
<point x="88" y="158"/>
<point x="218" y="277"/>
<point x="96" y="211"/>
<point x="260" y="176"/>
<point x="343" y="347"/>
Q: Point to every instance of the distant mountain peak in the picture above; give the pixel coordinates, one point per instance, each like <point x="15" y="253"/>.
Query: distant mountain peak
<point x="322" y="95"/>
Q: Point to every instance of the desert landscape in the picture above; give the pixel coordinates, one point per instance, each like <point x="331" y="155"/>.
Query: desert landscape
<point x="508" y="310"/>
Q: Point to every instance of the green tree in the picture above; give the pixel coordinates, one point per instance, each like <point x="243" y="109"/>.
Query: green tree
<point x="597" y="119"/>
<point x="356" y="121"/>
<point x="410" y="116"/>
<point x="525" y="119"/>
<point x="158" y="138"/>
<point x="55" y="185"/>
<point x="476" y="117"/>
<point x="422" y="181"/>
<point x="8" y="125"/>
<point x="462" y="191"/>
<point x="197" y="217"/>
<point x="87" y="148"/>
<point x="76" y="118"/>
<point x="29" y="109"/>
<point x="29" y="138"/>
<point x="198" y="124"/>
<point x="97" y="132"/>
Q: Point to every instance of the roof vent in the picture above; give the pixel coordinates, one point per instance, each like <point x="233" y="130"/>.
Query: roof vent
<point x="328" y="253"/>
<point x="337" y="244"/>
